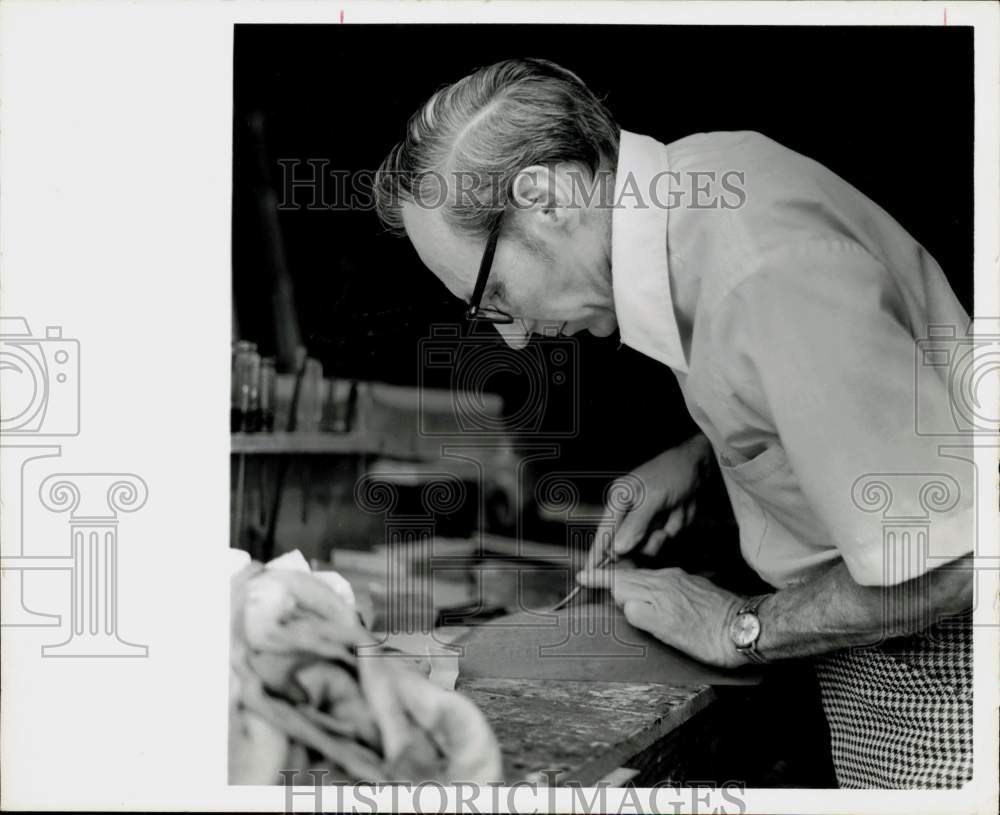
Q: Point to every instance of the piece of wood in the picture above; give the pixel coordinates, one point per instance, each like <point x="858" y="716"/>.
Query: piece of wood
<point x="554" y="731"/>
<point x="590" y="642"/>
<point x="517" y="548"/>
<point x="284" y="443"/>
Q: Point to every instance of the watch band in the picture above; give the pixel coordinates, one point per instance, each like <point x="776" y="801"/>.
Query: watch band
<point x="752" y="604"/>
<point x="750" y="607"/>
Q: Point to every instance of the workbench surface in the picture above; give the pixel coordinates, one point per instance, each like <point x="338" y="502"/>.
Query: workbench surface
<point x="580" y="730"/>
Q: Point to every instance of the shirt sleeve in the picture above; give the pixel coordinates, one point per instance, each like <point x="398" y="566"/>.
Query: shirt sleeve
<point x="817" y="342"/>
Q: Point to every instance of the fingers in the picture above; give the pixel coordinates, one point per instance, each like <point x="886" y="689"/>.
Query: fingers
<point x="675" y="522"/>
<point x="597" y="551"/>
<point x="654" y="542"/>
<point x="679" y="519"/>
<point x="607" y="534"/>
<point x="624" y="584"/>
<point x="690" y="510"/>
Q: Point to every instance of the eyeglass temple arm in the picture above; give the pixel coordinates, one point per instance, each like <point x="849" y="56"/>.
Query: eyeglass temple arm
<point x="484" y="268"/>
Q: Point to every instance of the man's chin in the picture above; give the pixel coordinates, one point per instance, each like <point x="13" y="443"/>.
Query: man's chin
<point x="603" y="328"/>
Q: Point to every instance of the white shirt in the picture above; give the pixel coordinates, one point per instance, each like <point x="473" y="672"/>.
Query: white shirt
<point x="795" y="349"/>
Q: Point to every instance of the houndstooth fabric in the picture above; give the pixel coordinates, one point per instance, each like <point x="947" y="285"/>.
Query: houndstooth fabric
<point x="900" y="713"/>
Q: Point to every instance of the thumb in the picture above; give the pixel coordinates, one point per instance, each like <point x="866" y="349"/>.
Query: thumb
<point x="639" y="613"/>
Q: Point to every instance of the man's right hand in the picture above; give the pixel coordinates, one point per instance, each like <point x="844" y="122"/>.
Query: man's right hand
<point x="669" y="484"/>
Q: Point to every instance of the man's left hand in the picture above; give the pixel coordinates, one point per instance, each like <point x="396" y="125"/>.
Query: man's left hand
<point x="686" y="611"/>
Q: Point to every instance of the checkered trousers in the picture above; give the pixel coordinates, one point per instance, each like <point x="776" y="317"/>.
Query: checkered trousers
<point x="900" y="713"/>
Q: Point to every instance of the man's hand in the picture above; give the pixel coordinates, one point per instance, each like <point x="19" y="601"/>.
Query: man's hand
<point x="685" y="611"/>
<point x="667" y="495"/>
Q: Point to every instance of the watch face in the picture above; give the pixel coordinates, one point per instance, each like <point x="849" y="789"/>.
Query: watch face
<point x="745" y="629"/>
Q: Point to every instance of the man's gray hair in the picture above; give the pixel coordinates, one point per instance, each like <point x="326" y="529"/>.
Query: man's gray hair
<point x="480" y="132"/>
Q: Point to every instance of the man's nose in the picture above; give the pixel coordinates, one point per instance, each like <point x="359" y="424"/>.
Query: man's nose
<point x="515" y="334"/>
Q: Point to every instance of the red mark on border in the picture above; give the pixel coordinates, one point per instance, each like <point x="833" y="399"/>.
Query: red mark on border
<point x="945" y="16"/>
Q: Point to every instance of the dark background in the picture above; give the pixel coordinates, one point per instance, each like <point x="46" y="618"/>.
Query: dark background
<point x="890" y="110"/>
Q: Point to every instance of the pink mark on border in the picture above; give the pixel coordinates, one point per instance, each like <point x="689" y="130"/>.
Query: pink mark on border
<point x="342" y="16"/>
<point x="945" y="15"/>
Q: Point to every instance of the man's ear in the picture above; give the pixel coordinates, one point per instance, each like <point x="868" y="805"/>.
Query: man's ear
<point x="546" y="194"/>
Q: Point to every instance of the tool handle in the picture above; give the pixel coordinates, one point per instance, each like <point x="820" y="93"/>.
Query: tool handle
<point x="609" y="557"/>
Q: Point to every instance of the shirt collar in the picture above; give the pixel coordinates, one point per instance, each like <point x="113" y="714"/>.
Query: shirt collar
<point x="640" y="274"/>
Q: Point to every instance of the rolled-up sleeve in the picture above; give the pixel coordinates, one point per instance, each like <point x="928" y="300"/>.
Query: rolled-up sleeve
<point x="819" y="347"/>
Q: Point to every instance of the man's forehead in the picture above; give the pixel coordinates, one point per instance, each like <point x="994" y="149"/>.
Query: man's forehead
<point x="453" y="258"/>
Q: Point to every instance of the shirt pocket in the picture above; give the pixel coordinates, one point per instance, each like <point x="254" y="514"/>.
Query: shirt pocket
<point x="750" y="471"/>
<point x="740" y="475"/>
<point x="769" y="479"/>
<point x="784" y="539"/>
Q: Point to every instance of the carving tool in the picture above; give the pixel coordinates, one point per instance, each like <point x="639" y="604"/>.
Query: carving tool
<point x="609" y="557"/>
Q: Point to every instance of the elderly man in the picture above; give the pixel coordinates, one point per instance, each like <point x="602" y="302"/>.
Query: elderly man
<point x="787" y="304"/>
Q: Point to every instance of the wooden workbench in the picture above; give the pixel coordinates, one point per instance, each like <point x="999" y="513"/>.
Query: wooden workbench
<point x="573" y="731"/>
<point x="580" y="731"/>
<point x="565" y="731"/>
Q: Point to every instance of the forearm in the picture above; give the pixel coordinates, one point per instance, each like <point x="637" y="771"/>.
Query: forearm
<point x="695" y="455"/>
<point x="835" y="612"/>
<point x="700" y="449"/>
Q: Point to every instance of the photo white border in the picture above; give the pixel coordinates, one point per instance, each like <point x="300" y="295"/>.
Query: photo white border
<point x="115" y="160"/>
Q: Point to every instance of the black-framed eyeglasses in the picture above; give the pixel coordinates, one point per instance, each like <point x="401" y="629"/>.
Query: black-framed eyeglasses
<point x="476" y="312"/>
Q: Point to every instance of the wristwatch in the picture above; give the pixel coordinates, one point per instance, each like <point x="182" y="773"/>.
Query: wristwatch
<point x="744" y="630"/>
